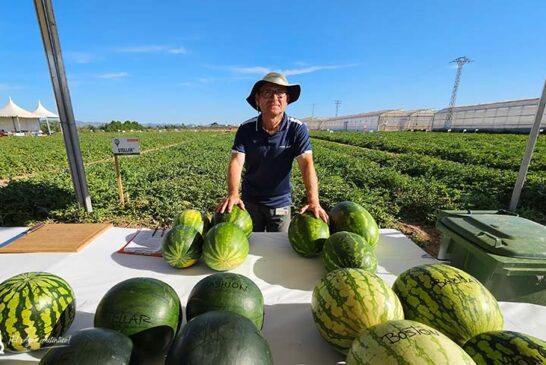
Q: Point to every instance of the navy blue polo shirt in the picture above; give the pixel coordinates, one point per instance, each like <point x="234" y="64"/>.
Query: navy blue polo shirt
<point x="269" y="159"/>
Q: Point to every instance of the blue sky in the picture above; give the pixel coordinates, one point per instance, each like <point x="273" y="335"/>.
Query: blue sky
<point x="196" y="61"/>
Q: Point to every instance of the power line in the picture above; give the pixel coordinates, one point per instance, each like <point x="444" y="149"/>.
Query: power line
<point x="461" y="61"/>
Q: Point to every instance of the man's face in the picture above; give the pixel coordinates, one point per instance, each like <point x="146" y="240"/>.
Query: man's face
<point x="272" y="99"/>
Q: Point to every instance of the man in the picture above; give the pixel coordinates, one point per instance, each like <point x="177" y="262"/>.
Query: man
<point x="267" y="146"/>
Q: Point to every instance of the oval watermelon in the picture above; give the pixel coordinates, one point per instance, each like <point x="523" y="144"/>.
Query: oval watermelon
<point x="91" y="346"/>
<point x="241" y="218"/>
<point x="193" y="218"/>
<point x="145" y="309"/>
<point x="347" y="301"/>
<point x="405" y="342"/>
<point x="307" y="234"/>
<point x="506" y="347"/>
<point x="346" y="249"/>
<point x="182" y="246"/>
<point x="34" y="307"/>
<point x="220" y="337"/>
<point x="225" y="247"/>
<point x="228" y="292"/>
<point x="352" y="217"/>
<point x="449" y="300"/>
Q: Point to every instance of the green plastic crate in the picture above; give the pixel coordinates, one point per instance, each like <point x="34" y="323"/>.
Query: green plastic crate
<point x="505" y="252"/>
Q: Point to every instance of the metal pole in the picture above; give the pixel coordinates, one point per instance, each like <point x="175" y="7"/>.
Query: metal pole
<point x="533" y="135"/>
<point x="120" y="183"/>
<point x="52" y="47"/>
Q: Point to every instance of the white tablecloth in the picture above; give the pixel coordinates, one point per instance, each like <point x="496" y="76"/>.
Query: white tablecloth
<point x="286" y="280"/>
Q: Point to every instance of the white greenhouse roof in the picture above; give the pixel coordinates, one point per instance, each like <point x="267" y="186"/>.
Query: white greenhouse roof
<point x="13" y="110"/>
<point x="42" y="112"/>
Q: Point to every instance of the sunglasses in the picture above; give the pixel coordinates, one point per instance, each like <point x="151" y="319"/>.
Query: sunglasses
<point x="267" y="93"/>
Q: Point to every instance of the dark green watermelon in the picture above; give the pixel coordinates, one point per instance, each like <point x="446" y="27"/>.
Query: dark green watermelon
<point x="352" y="217"/>
<point x="91" y="346"/>
<point x="228" y="292"/>
<point x="307" y="234"/>
<point x="193" y="218"/>
<point x="225" y="247"/>
<point x="219" y="338"/>
<point x="182" y="246"/>
<point x="506" y="348"/>
<point x="346" y="249"/>
<point x="145" y="309"/>
<point x="237" y="216"/>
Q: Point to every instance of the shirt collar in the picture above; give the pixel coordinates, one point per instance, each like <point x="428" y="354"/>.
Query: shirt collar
<point x="283" y="126"/>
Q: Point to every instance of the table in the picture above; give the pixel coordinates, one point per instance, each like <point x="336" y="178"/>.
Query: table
<point x="285" y="279"/>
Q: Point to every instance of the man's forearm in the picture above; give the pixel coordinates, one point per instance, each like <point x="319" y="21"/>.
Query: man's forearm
<point x="310" y="180"/>
<point x="234" y="177"/>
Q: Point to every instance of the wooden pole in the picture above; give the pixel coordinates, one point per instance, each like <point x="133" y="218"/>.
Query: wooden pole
<point x="120" y="184"/>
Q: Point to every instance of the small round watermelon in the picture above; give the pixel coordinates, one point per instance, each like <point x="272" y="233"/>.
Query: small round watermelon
<point x="346" y="249"/>
<point x="237" y="216"/>
<point x="405" y="342"/>
<point x="347" y="301"/>
<point x="448" y="299"/>
<point x="34" y="307"/>
<point x="145" y="309"/>
<point x="91" y="346"/>
<point x="193" y="218"/>
<point x="506" y="347"/>
<point x="228" y="292"/>
<point x="182" y="246"/>
<point x="220" y="337"/>
<point x="352" y="217"/>
<point x="307" y="234"/>
<point x="225" y="247"/>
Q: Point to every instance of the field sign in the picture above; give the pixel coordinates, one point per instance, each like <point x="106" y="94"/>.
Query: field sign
<point x="126" y="146"/>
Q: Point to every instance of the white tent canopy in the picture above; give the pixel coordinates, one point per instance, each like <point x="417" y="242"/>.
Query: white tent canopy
<point x="16" y="119"/>
<point x="42" y="112"/>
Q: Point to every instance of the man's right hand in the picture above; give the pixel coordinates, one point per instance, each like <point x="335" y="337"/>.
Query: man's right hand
<point x="228" y="203"/>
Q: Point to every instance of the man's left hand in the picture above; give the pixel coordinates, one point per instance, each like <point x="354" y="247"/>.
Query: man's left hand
<point x="317" y="211"/>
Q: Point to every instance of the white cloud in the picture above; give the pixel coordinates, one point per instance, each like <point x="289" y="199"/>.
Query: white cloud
<point x="288" y="72"/>
<point x="153" y="49"/>
<point x="113" y="75"/>
<point x="79" y="57"/>
<point x="7" y="87"/>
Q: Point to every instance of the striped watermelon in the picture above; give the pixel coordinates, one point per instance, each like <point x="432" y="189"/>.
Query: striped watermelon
<point x="237" y="216"/>
<point x="34" y="307"/>
<point x="307" y="234"/>
<point x="346" y="249"/>
<point x="182" y="246"/>
<point x="228" y="292"/>
<point x="405" y="342"/>
<point x="352" y="217"/>
<point x="506" y="347"/>
<point x="347" y="301"/>
<point x="193" y="218"/>
<point x="225" y="247"/>
<point x="449" y="300"/>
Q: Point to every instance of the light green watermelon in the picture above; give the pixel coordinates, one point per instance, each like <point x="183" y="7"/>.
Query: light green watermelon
<point x="241" y="218"/>
<point x="182" y="246"/>
<point x="347" y="301"/>
<point x="225" y="247"/>
<point x="404" y="342"/>
<point x="449" y="300"/>
<point x="506" y="348"/>
<point x="34" y="307"/>
<point x="352" y="217"/>
<point x="307" y="234"/>
<point x="346" y="249"/>
<point x="193" y="218"/>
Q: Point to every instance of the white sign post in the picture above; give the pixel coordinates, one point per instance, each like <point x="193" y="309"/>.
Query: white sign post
<point x="123" y="146"/>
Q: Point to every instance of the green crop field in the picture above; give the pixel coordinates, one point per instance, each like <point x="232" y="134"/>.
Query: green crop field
<point x="399" y="177"/>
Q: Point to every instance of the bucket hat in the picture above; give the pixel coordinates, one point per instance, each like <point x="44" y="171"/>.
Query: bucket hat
<point x="276" y="78"/>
